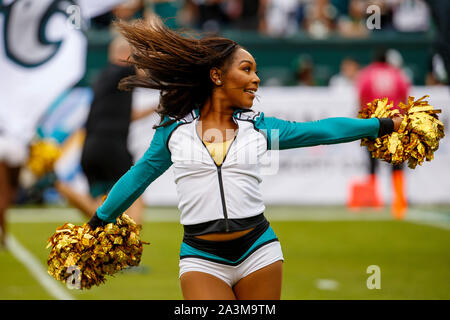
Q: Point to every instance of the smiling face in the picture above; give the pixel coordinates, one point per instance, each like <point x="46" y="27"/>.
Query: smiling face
<point x="238" y="81"/>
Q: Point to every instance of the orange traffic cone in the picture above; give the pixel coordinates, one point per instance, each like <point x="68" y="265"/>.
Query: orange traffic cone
<point x="365" y="194"/>
<point x="399" y="202"/>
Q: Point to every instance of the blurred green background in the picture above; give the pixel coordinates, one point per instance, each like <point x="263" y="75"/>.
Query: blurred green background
<point x="278" y="58"/>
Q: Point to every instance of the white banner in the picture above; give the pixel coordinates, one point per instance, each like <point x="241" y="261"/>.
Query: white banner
<point x="321" y="174"/>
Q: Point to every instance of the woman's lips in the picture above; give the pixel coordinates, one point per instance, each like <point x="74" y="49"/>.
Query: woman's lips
<point x="250" y="92"/>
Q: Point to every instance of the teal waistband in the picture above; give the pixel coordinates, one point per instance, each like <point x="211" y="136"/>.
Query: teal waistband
<point x="187" y="250"/>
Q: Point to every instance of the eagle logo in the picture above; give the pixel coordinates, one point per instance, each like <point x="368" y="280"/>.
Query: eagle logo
<point x="26" y="34"/>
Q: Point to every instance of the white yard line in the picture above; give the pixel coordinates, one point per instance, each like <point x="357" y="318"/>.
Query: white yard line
<point x="36" y="269"/>
<point x="429" y="218"/>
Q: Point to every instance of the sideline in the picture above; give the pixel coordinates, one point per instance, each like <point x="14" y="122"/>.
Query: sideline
<point x="36" y="269"/>
<point x="428" y="218"/>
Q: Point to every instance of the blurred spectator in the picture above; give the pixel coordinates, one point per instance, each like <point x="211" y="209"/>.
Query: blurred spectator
<point x="320" y="18"/>
<point x="440" y="10"/>
<point x="210" y="15"/>
<point x="353" y="25"/>
<point x="247" y="14"/>
<point x="394" y="58"/>
<point x="377" y="81"/>
<point x="128" y="9"/>
<point x="386" y="10"/>
<point x="347" y="75"/>
<point x="436" y="74"/>
<point x="168" y="10"/>
<point x="281" y="17"/>
<point x="410" y="15"/>
<point x="304" y="71"/>
<point x="188" y="14"/>
<point x="381" y="79"/>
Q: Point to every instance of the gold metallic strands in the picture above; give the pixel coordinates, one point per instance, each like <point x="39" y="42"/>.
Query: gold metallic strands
<point x="417" y="138"/>
<point x="95" y="253"/>
<point x="43" y="156"/>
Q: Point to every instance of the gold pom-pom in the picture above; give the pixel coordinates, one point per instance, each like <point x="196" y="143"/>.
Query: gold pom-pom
<point x="417" y="138"/>
<point x="43" y="156"/>
<point x="94" y="253"/>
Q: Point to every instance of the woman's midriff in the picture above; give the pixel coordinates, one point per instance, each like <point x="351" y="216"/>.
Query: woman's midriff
<point x="224" y="236"/>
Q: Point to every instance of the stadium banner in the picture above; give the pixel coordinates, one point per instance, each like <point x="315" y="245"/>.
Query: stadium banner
<point x="313" y="175"/>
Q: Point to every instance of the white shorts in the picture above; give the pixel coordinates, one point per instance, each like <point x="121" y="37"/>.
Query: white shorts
<point x="13" y="151"/>
<point x="262" y="257"/>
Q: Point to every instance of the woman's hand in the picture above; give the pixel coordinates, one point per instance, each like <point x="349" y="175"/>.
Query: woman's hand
<point x="397" y="121"/>
<point x="96" y="222"/>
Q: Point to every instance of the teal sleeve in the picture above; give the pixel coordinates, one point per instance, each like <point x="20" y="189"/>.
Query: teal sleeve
<point x="132" y="184"/>
<point x="282" y="134"/>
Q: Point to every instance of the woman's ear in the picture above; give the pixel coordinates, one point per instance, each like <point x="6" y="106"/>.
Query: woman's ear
<point x="216" y="76"/>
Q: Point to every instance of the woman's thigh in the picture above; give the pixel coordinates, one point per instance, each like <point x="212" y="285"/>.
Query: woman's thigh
<point x="263" y="284"/>
<point x="197" y="285"/>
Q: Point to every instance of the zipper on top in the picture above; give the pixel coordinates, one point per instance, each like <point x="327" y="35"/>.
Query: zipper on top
<point x="219" y="175"/>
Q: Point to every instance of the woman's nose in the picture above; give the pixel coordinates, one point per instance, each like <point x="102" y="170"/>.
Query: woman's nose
<point x="256" y="80"/>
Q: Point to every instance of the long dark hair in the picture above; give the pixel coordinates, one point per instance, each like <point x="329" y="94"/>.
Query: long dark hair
<point x="175" y="63"/>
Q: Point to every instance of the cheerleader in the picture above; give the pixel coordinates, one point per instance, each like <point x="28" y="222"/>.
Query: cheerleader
<point x="215" y="142"/>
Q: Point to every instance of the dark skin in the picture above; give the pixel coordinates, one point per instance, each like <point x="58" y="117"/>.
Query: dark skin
<point x="229" y="93"/>
<point x="231" y="90"/>
<point x="233" y="86"/>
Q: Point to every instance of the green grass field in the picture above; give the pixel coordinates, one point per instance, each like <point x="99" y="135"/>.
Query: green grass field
<point x="327" y="252"/>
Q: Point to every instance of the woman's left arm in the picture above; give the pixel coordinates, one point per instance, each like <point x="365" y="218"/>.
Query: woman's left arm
<point x="282" y="134"/>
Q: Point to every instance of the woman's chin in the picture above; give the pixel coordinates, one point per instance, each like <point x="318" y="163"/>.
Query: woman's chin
<point x="247" y="104"/>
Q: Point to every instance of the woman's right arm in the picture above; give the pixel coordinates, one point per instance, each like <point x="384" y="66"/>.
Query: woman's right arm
<point x="133" y="183"/>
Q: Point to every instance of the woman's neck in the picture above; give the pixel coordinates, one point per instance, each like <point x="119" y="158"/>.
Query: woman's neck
<point x="214" y="111"/>
<point x="213" y="117"/>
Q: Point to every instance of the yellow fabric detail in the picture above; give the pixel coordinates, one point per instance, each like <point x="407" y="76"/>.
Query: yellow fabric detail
<point x="218" y="150"/>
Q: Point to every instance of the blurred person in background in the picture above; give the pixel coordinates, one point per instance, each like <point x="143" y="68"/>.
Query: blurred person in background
<point x="188" y="14"/>
<point x="353" y="25"/>
<point x="281" y="17"/>
<point x="304" y="71"/>
<point x="347" y="75"/>
<point x="105" y="156"/>
<point x="168" y="10"/>
<point x="440" y="11"/>
<point x="410" y="15"/>
<point x="210" y="15"/>
<point x="128" y="9"/>
<point x="43" y="53"/>
<point x="436" y="74"/>
<point x="247" y="15"/>
<point x="320" y="18"/>
<point x="377" y="81"/>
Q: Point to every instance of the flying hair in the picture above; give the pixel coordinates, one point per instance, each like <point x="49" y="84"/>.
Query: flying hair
<point x="178" y="64"/>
